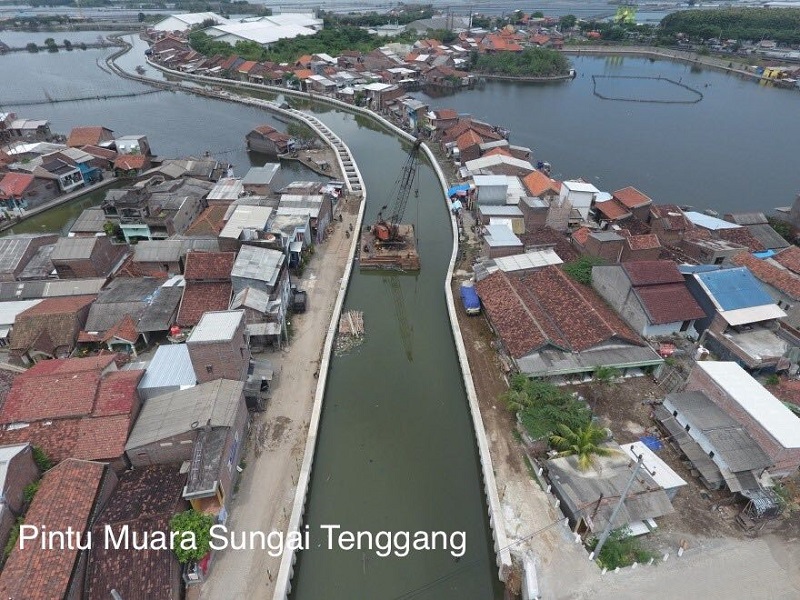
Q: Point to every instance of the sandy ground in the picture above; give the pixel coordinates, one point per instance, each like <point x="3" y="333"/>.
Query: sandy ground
<point x="278" y="435"/>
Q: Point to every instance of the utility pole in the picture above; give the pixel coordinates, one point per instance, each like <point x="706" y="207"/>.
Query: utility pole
<point x="607" y="531"/>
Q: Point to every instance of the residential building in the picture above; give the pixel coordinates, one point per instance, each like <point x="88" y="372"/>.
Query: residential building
<point x="605" y="245"/>
<point x="664" y="476"/>
<point x="208" y="285"/>
<point x="700" y="247"/>
<point x="669" y="223"/>
<point x="764" y="417"/>
<point x="48" y="329"/>
<point x="29" y="130"/>
<point x="517" y="264"/>
<point x="90" y="136"/>
<point x="258" y="180"/>
<point x="131" y="165"/>
<point x="89" y="223"/>
<point x="50" y="288"/>
<point x="758" y="226"/>
<point x="552" y="326"/>
<point x="168" y="371"/>
<point x="610" y="211"/>
<point x="23" y="191"/>
<point x="640" y="247"/>
<point x="651" y="296"/>
<point x="638" y="203"/>
<point x="17" y="471"/>
<point x="143" y="502"/>
<point x="68" y="176"/>
<point x="204" y="425"/>
<point x="265" y="270"/>
<point x="509" y="215"/>
<point x="268" y="140"/>
<point x="499" y="240"/>
<point x="16" y="251"/>
<point x="132" y="145"/>
<point x="218" y="346"/>
<point x="69" y="498"/>
<point x="781" y="283"/>
<point x="579" y="195"/>
<point x="499" y="165"/>
<point x="83" y="257"/>
<point x="8" y="314"/>
<point x="73" y="408"/>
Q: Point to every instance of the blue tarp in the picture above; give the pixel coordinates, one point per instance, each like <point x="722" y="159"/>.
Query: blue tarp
<point x="469" y="298"/>
<point x="765" y="254"/>
<point x="464" y="187"/>
<point x="651" y="442"/>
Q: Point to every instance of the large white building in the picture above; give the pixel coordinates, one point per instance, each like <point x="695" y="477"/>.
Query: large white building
<point x="187" y="21"/>
<point x="266" y="30"/>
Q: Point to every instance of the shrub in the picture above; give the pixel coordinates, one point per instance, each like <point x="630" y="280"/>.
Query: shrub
<point x="581" y="269"/>
<point x="41" y="459"/>
<point x="199" y="525"/>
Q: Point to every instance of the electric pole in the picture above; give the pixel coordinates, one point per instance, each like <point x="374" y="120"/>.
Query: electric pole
<point x="607" y="531"/>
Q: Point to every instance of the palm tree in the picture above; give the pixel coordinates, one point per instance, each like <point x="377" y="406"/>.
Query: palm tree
<point x="583" y="443"/>
<point x="517" y="400"/>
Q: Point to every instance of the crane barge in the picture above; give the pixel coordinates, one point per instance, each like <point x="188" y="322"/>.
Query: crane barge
<point x="389" y="244"/>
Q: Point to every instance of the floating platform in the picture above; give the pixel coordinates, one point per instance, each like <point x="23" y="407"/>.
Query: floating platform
<point x="392" y="256"/>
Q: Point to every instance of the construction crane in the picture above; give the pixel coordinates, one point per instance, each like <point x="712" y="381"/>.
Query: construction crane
<point x="406" y="330"/>
<point x="386" y="228"/>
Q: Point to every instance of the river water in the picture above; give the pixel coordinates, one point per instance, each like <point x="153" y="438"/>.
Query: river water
<point x="396" y="450"/>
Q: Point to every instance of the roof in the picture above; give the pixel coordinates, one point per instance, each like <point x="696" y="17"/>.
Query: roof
<point x="65" y="499"/>
<point x="779" y="278"/>
<point x="742" y="237"/>
<point x="632" y="198"/>
<point x="209" y="266"/>
<point x="10" y="310"/>
<point x="246" y="217"/>
<point x="613" y="209"/>
<point x="490" y="210"/>
<point x="468" y="139"/>
<point x="210" y="221"/>
<point x="159" y="251"/>
<point x="537" y="183"/>
<point x="709" y="222"/>
<point x="227" y="188"/>
<point x="529" y="260"/>
<point x="500" y="236"/>
<point x="171" y="365"/>
<point x="487" y="162"/>
<point x="669" y="303"/>
<point x="90" y="220"/>
<point x="128" y="162"/>
<point x="789" y="258"/>
<point x="74" y="248"/>
<point x="263" y="264"/>
<point x="216" y="326"/>
<point x="660" y="471"/>
<point x="201" y="296"/>
<point x="214" y="403"/>
<point x="144" y="500"/>
<point x="87" y="136"/>
<point x="645" y="241"/>
<point x="732" y="443"/>
<point x="767" y="236"/>
<point x="150" y="301"/>
<point x="261" y="175"/>
<point x="7" y="454"/>
<point x="546" y="308"/>
<point x="749" y="218"/>
<point x="756" y="400"/>
<point x="13" y="185"/>
<point x="59" y="318"/>
<point x="580" y="186"/>
<point x="445" y="114"/>
<point x="672" y="217"/>
<point x="52" y="288"/>
<point x="652" y="272"/>
<point x="250" y="297"/>
<point x="732" y="289"/>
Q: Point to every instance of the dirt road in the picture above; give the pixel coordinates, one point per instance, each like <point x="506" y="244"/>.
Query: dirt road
<point x="278" y="435"/>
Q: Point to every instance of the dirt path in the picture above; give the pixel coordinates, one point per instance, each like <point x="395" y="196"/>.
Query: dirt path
<point x="278" y="435"/>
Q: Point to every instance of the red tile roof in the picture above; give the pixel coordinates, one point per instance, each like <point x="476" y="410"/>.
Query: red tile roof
<point x="200" y="297"/>
<point x="210" y="221"/>
<point x="130" y="162"/>
<point x="59" y="318"/>
<point x="102" y="438"/>
<point x="546" y="307"/>
<point x="581" y="235"/>
<point x="117" y="394"/>
<point x="246" y="66"/>
<point x="500" y="151"/>
<point x="209" y="266"/>
<point x="669" y="303"/>
<point x="65" y="499"/>
<point x="652" y="272"/>
<point x="672" y="217"/>
<point x="612" y="209"/>
<point x="789" y="258"/>
<point x="468" y="139"/>
<point x="631" y="197"/>
<point x="34" y="398"/>
<point x="124" y="330"/>
<point x="87" y="136"/>
<point x="13" y="185"/>
<point x="100" y="152"/>
<point x="302" y="74"/>
<point x="743" y="237"/>
<point x="647" y="241"/>
<point x="446" y="114"/>
<point x="453" y="133"/>
<point x="537" y="183"/>
<point x="781" y="279"/>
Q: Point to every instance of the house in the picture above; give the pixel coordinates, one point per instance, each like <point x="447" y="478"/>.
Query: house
<point x="311" y="199"/>
<point x="268" y="140"/>
<point x="151" y="304"/>
<point x="210" y="222"/>
<point x="499" y="240"/>
<point x="258" y="180"/>
<point x="640" y="247"/>
<point x="132" y="145"/>
<point x="131" y="165"/>
<point x="29" y="130"/>
<point x="218" y="346"/>
<point x="541" y="186"/>
<point x="244" y="222"/>
<point x="89" y="223"/>
<point x="551" y="326"/>
<point x="669" y="223"/>
<point x="90" y="136"/>
<point x="579" y="196"/>
<point x="83" y="257"/>
<point x="68" y="176"/>
<point x="22" y="191"/>
<point x="69" y="499"/>
<point x="700" y="247"/>
<point x="208" y="285"/>
<point x="589" y="498"/>
<point x="661" y="472"/>
<point x="227" y="189"/>
<point x="73" y="408"/>
<point x="789" y="258"/>
<point x="610" y="211"/>
<point x="16" y="251"/>
<point x="17" y="470"/>
<point x="605" y="245"/>
<point x="442" y="119"/>
<point x="759" y="228"/>
<point x="265" y="270"/>
<point x="169" y="370"/>
<point x="167" y="433"/>
<point x="491" y="190"/>
<point x="8" y="314"/>
<point x="508" y="215"/>
<point x="517" y="264"/>
<point x="144" y="501"/>
<point x="764" y="417"/>
<point x="85" y="162"/>
<point x="721" y="451"/>
<point x="651" y="296"/>
<point x="781" y="283"/>
<point x="49" y="329"/>
<point x="638" y="203"/>
<point x="49" y="288"/>
<point x="499" y="164"/>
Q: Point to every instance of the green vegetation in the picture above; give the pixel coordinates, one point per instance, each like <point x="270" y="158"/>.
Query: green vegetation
<point x="300" y="131"/>
<point x="779" y="24"/>
<point x="621" y="550"/>
<point x="41" y="459"/>
<point x="32" y="47"/>
<point x="773" y="379"/>
<point x="13" y="536"/>
<point x="581" y="269"/>
<point x="67" y="45"/>
<point x="30" y="491"/>
<point x="784" y="228"/>
<point x="583" y="442"/>
<point x="532" y="62"/>
<point x="542" y="407"/>
<point x="606" y="374"/>
<point x="199" y="525"/>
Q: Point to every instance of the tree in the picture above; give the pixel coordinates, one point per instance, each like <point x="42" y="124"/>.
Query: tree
<point x="197" y="525"/>
<point x="32" y="47"/>
<point x="538" y="15"/>
<point x="568" y="21"/>
<point x="67" y="45"/>
<point x="583" y="443"/>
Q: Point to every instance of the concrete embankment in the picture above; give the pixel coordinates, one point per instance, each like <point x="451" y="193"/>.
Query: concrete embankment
<point x="283" y="580"/>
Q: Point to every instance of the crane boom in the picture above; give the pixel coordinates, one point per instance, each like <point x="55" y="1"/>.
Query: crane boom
<point x="386" y="228"/>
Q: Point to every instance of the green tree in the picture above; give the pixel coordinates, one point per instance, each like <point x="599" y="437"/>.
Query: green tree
<point x="199" y="526"/>
<point x="538" y="15"/>
<point x="32" y="47"/>
<point x="584" y="443"/>
<point x="67" y="45"/>
<point x="568" y="21"/>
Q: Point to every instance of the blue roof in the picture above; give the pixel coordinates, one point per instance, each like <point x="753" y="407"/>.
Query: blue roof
<point x="733" y="289"/>
<point x="464" y="187"/>
<point x="765" y="254"/>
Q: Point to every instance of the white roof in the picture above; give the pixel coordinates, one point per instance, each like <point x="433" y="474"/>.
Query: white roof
<point x="752" y="314"/>
<point x="296" y="19"/>
<point x="326" y="57"/>
<point x="216" y="326"/>
<point x="377" y="87"/>
<point x="709" y="222"/>
<point x="10" y="310"/>
<point x="660" y="471"/>
<point x="580" y="186"/>
<point x="190" y="19"/>
<point x="500" y="235"/>
<point x="528" y="260"/>
<point x="487" y="180"/>
<point x="756" y="400"/>
<point x="487" y="162"/>
<point x="260" y="32"/>
<point x="245" y="217"/>
<point x="500" y="211"/>
<point x="227" y="188"/>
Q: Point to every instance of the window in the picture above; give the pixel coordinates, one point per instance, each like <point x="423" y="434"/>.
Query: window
<point x="209" y="369"/>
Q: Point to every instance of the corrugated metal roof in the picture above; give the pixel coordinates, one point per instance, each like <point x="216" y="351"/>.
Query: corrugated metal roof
<point x="246" y="217"/>
<point x="158" y="251"/>
<point x="660" y="471"/>
<point x="528" y="260"/>
<point x="261" y="175"/>
<point x="74" y="248"/>
<point x="171" y="366"/>
<point x="731" y="289"/>
<point x="768" y="237"/>
<point x="500" y="235"/>
<point x="261" y="264"/>
<point x="90" y="220"/>
<point x="709" y="222"/>
<point x="214" y="403"/>
<point x="226" y="189"/>
<point x="500" y="211"/>
<point x="12" y="249"/>
<point x="216" y="326"/>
